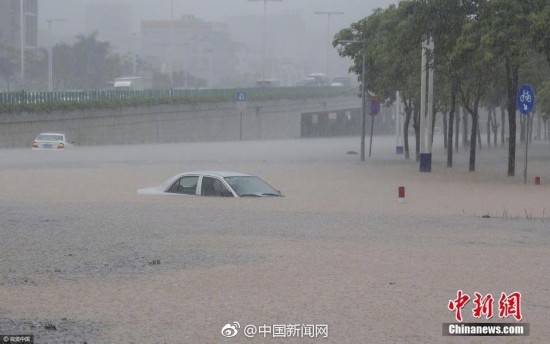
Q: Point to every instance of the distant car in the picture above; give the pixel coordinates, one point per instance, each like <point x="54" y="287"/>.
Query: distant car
<point x="214" y="183"/>
<point x="55" y="141"/>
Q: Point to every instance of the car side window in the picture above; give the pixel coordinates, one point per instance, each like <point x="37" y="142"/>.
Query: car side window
<point x="185" y="185"/>
<point x="214" y="187"/>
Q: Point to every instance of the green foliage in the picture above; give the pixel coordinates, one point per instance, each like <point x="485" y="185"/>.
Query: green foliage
<point x="8" y="64"/>
<point x="87" y="64"/>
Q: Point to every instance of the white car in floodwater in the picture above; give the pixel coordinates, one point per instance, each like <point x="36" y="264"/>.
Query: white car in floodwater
<point x="50" y="141"/>
<point x="213" y="183"/>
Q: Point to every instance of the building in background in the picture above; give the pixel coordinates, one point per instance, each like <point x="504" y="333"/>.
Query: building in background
<point x="286" y="46"/>
<point x="18" y="37"/>
<point x="189" y="45"/>
<point x="10" y="23"/>
<point x="291" y="53"/>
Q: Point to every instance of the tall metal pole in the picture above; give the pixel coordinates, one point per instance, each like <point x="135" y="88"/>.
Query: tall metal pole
<point x="363" y="93"/>
<point x="528" y="118"/>
<point x="22" y="41"/>
<point x="364" y="102"/>
<point x="263" y="42"/>
<point x="50" y="57"/>
<point x="264" y="37"/>
<point x="422" y="118"/>
<point x="430" y="101"/>
<point x="171" y="62"/>
<point x="328" y="14"/>
<point x="135" y="54"/>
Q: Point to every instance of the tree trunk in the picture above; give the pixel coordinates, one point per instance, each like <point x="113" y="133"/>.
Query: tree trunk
<point x="503" y="128"/>
<point x="445" y="128"/>
<point x="474" y="111"/>
<point x="472" y="165"/>
<point x="449" y="133"/>
<point x="495" y="127"/>
<point x="489" y="126"/>
<point x="512" y="86"/>
<point x="465" y="128"/>
<point x="416" y="126"/>
<point x="434" y="112"/>
<point x="408" y="112"/>
<point x="457" y="130"/>
<point x="478" y="133"/>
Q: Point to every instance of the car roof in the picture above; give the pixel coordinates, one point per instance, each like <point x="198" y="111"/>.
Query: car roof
<point x="51" y="134"/>
<point x="221" y="174"/>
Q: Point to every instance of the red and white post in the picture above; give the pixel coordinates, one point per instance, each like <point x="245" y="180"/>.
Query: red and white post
<point x="401" y="194"/>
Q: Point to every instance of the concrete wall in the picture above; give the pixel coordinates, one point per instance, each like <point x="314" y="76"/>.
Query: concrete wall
<point x="170" y="123"/>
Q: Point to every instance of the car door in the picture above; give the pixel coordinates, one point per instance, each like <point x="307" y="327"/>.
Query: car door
<point x="212" y="186"/>
<point x="186" y="185"/>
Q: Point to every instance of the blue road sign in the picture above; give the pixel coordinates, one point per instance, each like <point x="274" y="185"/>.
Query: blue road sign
<point x="241" y="96"/>
<point x="526" y="99"/>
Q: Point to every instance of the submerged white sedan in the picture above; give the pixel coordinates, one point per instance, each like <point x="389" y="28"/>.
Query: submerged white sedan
<point x="214" y="183"/>
<point x="55" y="141"/>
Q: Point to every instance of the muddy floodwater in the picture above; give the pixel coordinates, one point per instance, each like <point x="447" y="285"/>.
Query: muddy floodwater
<point x="85" y="259"/>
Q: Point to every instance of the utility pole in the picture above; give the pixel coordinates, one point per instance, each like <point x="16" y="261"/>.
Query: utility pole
<point x="426" y="121"/>
<point x="22" y="41"/>
<point x="171" y="62"/>
<point x="264" y="37"/>
<point x="363" y="92"/>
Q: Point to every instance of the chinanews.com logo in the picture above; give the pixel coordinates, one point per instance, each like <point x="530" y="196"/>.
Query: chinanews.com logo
<point x="509" y="306"/>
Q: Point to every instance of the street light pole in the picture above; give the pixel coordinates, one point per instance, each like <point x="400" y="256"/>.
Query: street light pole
<point x="264" y="37"/>
<point x="364" y="94"/>
<point x="328" y="14"/>
<point x="22" y="41"/>
<point x="50" y="53"/>
<point x="171" y="62"/>
<point x="134" y="54"/>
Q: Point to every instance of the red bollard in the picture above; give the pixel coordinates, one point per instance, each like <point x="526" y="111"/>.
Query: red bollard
<point x="537" y="180"/>
<point x="401" y="194"/>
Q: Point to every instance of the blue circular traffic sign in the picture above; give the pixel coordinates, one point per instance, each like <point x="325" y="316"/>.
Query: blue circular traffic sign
<point x="526" y="99"/>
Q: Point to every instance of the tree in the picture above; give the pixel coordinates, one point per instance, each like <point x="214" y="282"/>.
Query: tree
<point x="393" y="56"/>
<point x="87" y="64"/>
<point x="475" y="66"/>
<point x="8" y="64"/>
<point x="540" y="27"/>
<point x="444" y="21"/>
<point x="504" y="35"/>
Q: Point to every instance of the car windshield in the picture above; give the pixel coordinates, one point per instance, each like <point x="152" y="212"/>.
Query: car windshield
<point x="251" y="186"/>
<point x="44" y="137"/>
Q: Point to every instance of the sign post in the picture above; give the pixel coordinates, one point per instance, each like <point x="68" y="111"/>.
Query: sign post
<point x="525" y="103"/>
<point x="241" y="105"/>
<point x="374" y="110"/>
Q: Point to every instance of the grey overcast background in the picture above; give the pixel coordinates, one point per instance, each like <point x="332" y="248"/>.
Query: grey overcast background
<point x="217" y="10"/>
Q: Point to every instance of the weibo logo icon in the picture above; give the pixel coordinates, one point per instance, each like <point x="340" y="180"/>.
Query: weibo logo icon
<point x="231" y="330"/>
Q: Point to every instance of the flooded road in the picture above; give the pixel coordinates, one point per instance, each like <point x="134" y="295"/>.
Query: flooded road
<point x="82" y="251"/>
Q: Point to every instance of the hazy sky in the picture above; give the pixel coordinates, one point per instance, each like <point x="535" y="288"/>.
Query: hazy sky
<point x="212" y="10"/>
